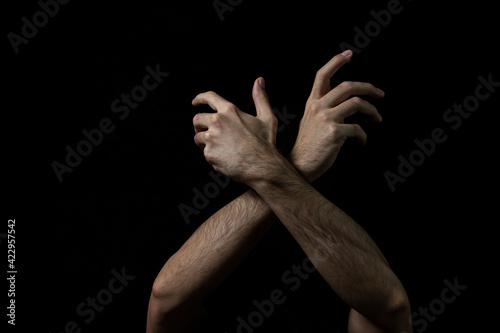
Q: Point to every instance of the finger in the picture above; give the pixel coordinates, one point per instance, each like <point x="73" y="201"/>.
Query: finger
<point x="200" y="139"/>
<point x="353" y="105"/>
<point x="201" y="122"/>
<point x="347" y="89"/>
<point x="261" y="100"/>
<point x="215" y="101"/>
<point x="321" y="84"/>
<point x="352" y="131"/>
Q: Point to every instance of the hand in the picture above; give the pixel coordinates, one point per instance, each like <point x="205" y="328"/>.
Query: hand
<point x="322" y="131"/>
<point x="234" y="142"/>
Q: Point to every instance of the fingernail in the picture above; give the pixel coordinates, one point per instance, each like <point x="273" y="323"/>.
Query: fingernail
<point x="262" y="83"/>
<point x="347" y="53"/>
<point x="380" y="92"/>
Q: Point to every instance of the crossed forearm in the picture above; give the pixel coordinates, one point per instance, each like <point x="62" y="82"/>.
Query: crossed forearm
<point x="204" y="261"/>
<point x="242" y="146"/>
<point x="343" y="253"/>
<point x="216" y="248"/>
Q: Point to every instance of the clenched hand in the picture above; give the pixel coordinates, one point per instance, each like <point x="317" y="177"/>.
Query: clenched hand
<point x="234" y="142"/>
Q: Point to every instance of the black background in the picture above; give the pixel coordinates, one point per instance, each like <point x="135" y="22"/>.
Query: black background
<point x="119" y="207"/>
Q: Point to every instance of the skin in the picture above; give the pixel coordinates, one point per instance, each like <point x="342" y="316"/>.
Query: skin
<point x="243" y="147"/>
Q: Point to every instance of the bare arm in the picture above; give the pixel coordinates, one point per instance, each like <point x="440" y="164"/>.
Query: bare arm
<point x="204" y="261"/>
<point x="218" y="246"/>
<point x="344" y="254"/>
<point x="213" y="251"/>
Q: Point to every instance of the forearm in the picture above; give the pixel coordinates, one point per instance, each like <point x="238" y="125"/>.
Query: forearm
<point x="215" y="248"/>
<point x="341" y="250"/>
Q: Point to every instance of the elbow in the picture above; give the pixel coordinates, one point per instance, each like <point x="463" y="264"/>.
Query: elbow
<point x="398" y="312"/>
<point x="171" y="310"/>
<point x="400" y="304"/>
<point x="163" y="295"/>
<point x="162" y="305"/>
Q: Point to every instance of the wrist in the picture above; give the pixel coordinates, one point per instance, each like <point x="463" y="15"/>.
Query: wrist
<point x="270" y="165"/>
<point x="278" y="173"/>
<point x="301" y="167"/>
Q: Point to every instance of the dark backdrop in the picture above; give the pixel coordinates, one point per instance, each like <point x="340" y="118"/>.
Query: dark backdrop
<point x="117" y="212"/>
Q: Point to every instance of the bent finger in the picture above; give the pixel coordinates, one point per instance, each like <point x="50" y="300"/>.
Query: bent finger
<point x="353" y="105"/>
<point x="352" y="131"/>
<point x="201" y="122"/>
<point x="321" y="84"/>
<point x="200" y="138"/>
<point x="347" y="89"/>
<point x="214" y="100"/>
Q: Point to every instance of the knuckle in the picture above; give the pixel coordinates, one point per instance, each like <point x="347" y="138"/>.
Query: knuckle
<point x="325" y="117"/>
<point x="207" y="136"/>
<point x="229" y="108"/>
<point x="320" y="73"/>
<point x="346" y="85"/>
<point x="216" y="120"/>
<point x="334" y="129"/>
<point x="370" y="86"/>
<point x="196" y="118"/>
<point x="315" y="107"/>
<point x="360" y="132"/>
<point x="356" y="101"/>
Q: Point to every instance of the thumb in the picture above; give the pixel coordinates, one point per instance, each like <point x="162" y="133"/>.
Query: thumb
<point x="261" y="100"/>
<point x="264" y="110"/>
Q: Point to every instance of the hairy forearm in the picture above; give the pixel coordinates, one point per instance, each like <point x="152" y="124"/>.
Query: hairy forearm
<point x="216" y="248"/>
<point x="341" y="250"/>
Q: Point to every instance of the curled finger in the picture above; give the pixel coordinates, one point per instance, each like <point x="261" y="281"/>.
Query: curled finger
<point x="201" y="138"/>
<point x="347" y="89"/>
<point x="201" y="122"/>
<point x="352" y="131"/>
<point x="353" y="105"/>
<point x="214" y="100"/>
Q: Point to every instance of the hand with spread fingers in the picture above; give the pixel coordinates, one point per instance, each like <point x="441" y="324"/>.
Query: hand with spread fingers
<point x="322" y="130"/>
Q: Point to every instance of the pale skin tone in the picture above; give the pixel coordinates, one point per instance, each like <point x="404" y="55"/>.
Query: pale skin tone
<point x="243" y="147"/>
